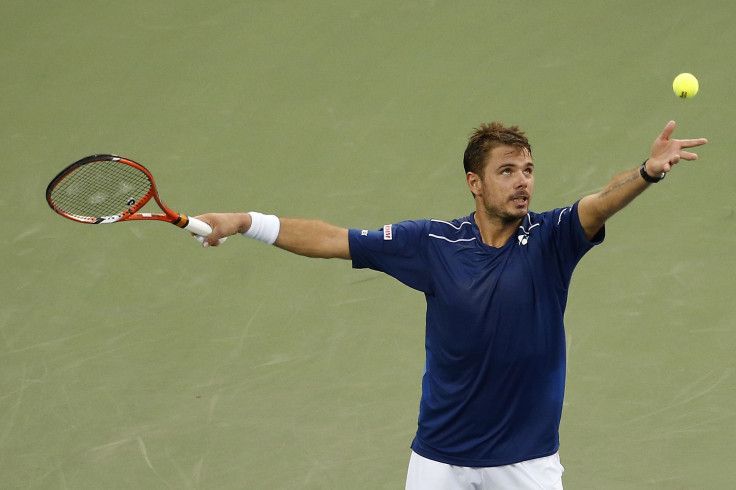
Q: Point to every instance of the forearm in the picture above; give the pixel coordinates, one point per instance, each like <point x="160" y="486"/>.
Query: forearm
<point x="618" y="193"/>
<point x="313" y="238"/>
<point x="594" y="210"/>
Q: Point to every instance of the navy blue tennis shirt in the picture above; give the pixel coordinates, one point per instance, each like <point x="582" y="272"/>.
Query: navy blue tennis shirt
<point x="494" y="377"/>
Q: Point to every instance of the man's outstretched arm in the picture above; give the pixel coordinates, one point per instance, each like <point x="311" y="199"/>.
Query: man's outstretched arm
<point x="308" y="237"/>
<point x="595" y="209"/>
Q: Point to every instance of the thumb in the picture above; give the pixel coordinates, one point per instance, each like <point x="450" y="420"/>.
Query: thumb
<point x="668" y="130"/>
<point x="213" y="240"/>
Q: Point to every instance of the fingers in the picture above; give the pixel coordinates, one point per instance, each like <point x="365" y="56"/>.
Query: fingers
<point x="692" y="142"/>
<point x="223" y="225"/>
<point x="209" y="242"/>
<point x="668" y="130"/>
<point x="670" y="151"/>
<point x="215" y="238"/>
<point x="686" y="155"/>
<point x="684" y="143"/>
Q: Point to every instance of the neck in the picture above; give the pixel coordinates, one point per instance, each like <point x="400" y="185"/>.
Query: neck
<point x="495" y="231"/>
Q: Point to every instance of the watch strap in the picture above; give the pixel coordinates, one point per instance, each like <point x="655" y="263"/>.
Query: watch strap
<point x="649" y="178"/>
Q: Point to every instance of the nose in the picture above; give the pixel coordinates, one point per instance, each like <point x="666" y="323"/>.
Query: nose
<point x="522" y="180"/>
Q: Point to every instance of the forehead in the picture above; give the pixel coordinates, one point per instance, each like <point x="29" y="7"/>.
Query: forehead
<point x="505" y="154"/>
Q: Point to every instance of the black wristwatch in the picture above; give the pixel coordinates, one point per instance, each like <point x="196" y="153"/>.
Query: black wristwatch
<point x="649" y="178"/>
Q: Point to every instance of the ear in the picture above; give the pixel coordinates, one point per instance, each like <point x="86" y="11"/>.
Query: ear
<point x="474" y="183"/>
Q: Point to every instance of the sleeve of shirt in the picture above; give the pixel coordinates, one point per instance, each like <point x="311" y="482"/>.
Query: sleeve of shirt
<point x="397" y="250"/>
<point x="571" y="236"/>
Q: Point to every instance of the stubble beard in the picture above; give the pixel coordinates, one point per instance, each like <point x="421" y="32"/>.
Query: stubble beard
<point x="506" y="215"/>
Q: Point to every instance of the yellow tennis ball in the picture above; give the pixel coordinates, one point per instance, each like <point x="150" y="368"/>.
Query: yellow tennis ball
<point x="685" y="85"/>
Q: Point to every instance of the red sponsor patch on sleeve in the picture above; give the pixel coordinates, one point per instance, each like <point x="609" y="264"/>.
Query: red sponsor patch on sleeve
<point x="387" y="232"/>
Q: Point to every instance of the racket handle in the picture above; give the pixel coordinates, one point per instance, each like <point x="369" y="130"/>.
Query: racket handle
<point x="201" y="229"/>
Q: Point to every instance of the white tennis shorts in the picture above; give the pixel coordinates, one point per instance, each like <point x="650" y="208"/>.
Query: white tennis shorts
<point x="534" y="474"/>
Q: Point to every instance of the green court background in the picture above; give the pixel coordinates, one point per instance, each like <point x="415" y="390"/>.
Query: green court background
<point x="131" y="358"/>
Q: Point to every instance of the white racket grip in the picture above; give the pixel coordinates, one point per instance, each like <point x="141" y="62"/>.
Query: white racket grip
<point x="200" y="229"/>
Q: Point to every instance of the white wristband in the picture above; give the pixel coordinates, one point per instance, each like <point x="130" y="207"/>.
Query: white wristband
<point x="264" y="227"/>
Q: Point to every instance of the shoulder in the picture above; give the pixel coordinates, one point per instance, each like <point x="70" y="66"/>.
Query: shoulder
<point x="458" y="225"/>
<point x="562" y="225"/>
<point x="413" y="231"/>
<point x="456" y="230"/>
<point x="552" y="218"/>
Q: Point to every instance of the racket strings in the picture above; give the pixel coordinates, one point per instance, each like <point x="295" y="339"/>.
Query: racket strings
<point x="100" y="189"/>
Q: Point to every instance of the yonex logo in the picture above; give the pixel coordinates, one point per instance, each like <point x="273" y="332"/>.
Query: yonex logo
<point x="524" y="237"/>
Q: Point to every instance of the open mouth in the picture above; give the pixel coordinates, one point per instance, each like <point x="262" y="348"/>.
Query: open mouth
<point x="520" y="198"/>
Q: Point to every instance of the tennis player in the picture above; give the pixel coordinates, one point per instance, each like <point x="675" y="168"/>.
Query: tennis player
<point x="496" y="285"/>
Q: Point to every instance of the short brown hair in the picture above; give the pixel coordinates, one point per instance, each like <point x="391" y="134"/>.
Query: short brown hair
<point x="487" y="137"/>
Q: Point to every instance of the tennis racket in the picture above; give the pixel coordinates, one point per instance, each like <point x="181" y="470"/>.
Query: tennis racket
<point x="101" y="189"/>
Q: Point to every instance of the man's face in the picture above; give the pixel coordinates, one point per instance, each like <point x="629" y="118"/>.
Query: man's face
<point x="505" y="188"/>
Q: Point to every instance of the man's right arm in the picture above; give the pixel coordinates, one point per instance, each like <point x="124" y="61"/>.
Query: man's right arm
<point x="308" y="237"/>
<point x="594" y="210"/>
